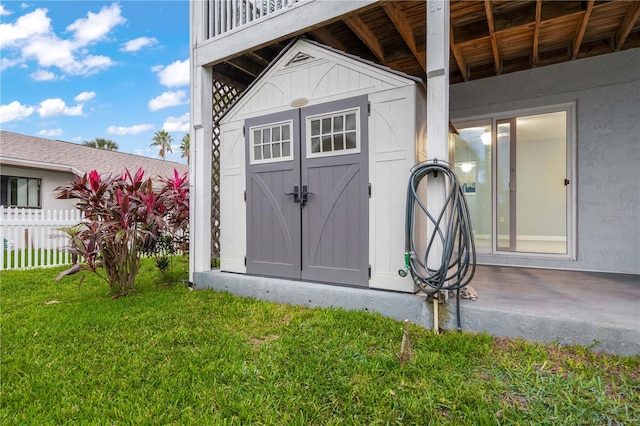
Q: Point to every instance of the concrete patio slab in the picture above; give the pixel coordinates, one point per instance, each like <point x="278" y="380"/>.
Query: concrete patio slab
<point x="569" y="307"/>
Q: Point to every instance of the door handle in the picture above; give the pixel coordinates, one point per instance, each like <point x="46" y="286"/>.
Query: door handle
<point x="304" y="195"/>
<point x="296" y="199"/>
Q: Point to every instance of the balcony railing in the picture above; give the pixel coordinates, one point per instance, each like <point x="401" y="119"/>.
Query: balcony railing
<point x="226" y="15"/>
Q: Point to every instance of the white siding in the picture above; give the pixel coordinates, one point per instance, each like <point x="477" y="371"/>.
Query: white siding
<point x="233" y="215"/>
<point x="392" y="127"/>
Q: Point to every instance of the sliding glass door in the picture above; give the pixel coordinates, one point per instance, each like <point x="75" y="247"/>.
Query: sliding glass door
<point x="473" y="166"/>
<point x="518" y="170"/>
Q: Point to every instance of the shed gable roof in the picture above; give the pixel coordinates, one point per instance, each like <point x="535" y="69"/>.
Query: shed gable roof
<point x="310" y="70"/>
<point x="24" y="150"/>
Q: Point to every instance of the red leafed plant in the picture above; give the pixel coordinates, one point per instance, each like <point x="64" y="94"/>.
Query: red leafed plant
<point x="175" y="199"/>
<point x="123" y="217"/>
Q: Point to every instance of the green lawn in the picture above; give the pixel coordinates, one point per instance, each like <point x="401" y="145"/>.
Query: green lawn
<point x="167" y="355"/>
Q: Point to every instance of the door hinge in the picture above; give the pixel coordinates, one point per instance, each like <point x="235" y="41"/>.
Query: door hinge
<point x="368" y="108"/>
<point x="245" y="261"/>
<point x="244" y="131"/>
<point x="369" y="190"/>
<point x="369" y="272"/>
<point x="245" y="196"/>
<point x="566" y="182"/>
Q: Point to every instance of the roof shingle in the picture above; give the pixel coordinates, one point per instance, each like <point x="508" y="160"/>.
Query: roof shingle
<point x="15" y="146"/>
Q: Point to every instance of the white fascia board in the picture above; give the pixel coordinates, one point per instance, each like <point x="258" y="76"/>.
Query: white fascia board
<point x="295" y="20"/>
<point x="39" y="165"/>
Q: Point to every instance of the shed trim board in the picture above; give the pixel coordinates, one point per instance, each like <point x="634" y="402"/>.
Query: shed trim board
<point x="394" y="123"/>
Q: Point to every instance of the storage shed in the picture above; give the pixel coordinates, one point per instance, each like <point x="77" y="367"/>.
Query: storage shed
<point x="315" y="159"/>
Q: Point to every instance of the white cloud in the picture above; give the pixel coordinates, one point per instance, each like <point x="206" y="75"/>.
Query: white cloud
<point x="51" y="51"/>
<point x="26" y="26"/>
<point x="96" y="26"/>
<point x="8" y="63"/>
<point x="168" y="99"/>
<point x="14" y="111"/>
<point x="139" y="151"/>
<point x="173" y="75"/>
<point x="138" y="43"/>
<point x="31" y="37"/>
<point x="50" y="132"/>
<point x="24" y="5"/>
<point x="43" y="75"/>
<point x="177" y="124"/>
<point x="131" y="130"/>
<point x="3" y="11"/>
<point x="85" y="96"/>
<point x="56" y="106"/>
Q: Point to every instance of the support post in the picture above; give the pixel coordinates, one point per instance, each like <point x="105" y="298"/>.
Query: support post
<point x="200" y="149"/>
<point x="437" y="109"/>
<point x="438" y="79"/>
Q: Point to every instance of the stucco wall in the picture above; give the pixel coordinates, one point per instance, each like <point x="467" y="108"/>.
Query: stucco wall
<point x="606" y="90"/>
<point x="50" y="181"/>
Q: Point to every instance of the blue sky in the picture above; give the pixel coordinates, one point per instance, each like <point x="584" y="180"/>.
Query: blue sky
<point x="77" y="70"/>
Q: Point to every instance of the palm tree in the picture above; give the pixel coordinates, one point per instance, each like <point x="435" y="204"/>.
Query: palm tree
<point x="163" y="139"/>
<point x="184" y="146"/>
<point x="102" y="143"/>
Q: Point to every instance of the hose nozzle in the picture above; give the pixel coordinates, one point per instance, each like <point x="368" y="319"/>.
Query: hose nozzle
<point x="404" y="271"/>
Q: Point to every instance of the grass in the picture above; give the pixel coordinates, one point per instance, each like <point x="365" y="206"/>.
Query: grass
<point x="167" y="355"/>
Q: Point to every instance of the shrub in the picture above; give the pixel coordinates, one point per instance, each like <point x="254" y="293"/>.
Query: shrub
<point x="124" y="216"/>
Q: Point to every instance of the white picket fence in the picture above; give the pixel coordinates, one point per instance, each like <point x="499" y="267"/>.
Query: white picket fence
<point x="31" y="238"/>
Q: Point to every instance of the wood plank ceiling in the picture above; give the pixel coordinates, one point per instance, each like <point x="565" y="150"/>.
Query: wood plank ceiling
<point x="487" y="37"/>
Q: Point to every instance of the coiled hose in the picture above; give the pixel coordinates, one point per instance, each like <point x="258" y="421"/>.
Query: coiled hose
<point x="451" y="227"/>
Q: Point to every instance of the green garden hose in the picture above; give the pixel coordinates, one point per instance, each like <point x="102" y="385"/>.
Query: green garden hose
<point x="451" y="227"/>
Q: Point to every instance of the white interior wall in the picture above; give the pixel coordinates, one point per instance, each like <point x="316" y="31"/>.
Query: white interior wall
<point x="607" y="185"/>
<point x="541" y="201"/>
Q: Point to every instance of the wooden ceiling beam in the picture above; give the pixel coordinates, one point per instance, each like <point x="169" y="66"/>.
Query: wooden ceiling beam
<point x="325" y="36"/>
<point x="577" y="40"/>
<point x="629" y="21"/>
<point x="458" y="55"/>
<point x="488" y="8"/>
<point x="245" y="65"/>
<point x="405" y="31"/>
<point x="536" y="34"/>
<point x="233" y="80"/>
<point x="254" y="55"/>
<point x="360" y="29"/>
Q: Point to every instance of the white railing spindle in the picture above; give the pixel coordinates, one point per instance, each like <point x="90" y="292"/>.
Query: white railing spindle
<point x="226" y="15"/>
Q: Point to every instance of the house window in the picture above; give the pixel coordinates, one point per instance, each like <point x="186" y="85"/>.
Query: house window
<point x="271" y="143"/>
<point x="516" y="170"/>
<point x="18" y="191"/>
<point x="333" y="134"/>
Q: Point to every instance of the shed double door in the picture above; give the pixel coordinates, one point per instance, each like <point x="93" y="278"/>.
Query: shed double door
<point x="307" y="193"/>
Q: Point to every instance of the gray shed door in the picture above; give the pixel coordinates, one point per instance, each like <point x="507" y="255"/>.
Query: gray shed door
<point x="307" y="193"/>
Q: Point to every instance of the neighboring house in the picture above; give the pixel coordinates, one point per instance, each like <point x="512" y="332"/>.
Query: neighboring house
<point x="32" y="167"/>
<point x="545" y="96"/>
